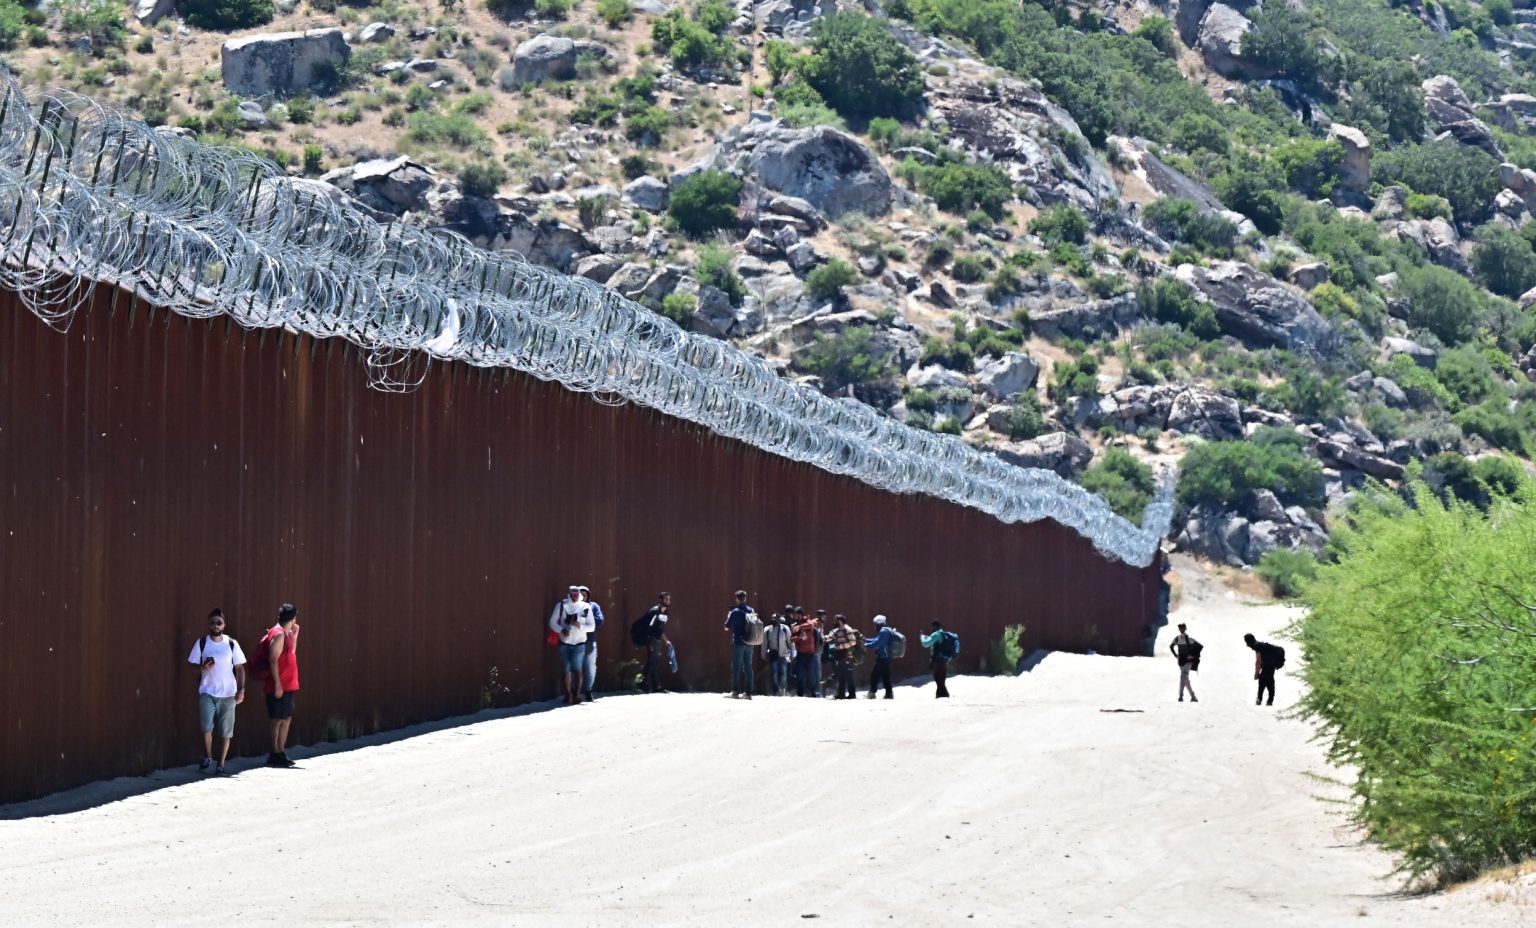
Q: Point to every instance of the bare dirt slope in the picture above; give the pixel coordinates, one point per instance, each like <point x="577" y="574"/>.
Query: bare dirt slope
<point x="1018" y="802"/>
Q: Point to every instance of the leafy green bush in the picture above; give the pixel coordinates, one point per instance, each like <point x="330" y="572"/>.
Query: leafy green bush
<point x="959" y="188"/>
<point x="1183" y="221"/>
<point x="827" y="281"/>
<point x="705" y="203"/>
<point x="1025" y="419"/>
<point x="1468" y="178"/>
<point x="1308" y="395"/>
<point x="1004" y="654"/>
<point x="1158" y="31"/>
<point x="1504" y="260"/>
<point x="884" y="131"/>
<point x="698" y="41"/>
<point x="1124" y="482"/>
<point x="1419" y="653"/>
<point x="1420" y="385"/>
<point x="455" y="129"/>
<point x="482" y="178"/>
<point x="679" y="307"/>
<point x="713" y="269"/>
<point x="799" y="105"/>
<point x="1467" y="375"/>
<point x="1427" y="206"/>
<point x="1060" y="224"/>
<point x="1310" y="166"/>
<point x="1254" y="188"/>
<point x="955" y="354"/>
<point x="225" y="15"/>
<point x="1225" y="472"/>
<point x="1197" y="131"/>
<point x="848" y="357"/>
<point x="1287" y="571"/>
<point x="13" y="22"/>
<point x="1281" y="42"/>
<point x="969" y="269"/>
<point x="861" y="69"/>
<point x="1443" y="302"/>
<point x="1169" y="300"/>
<point x="615" y="12"/>
<point x="646" y="125"/>
<point x="1494" y="423"/>
<point x="1075" y="378"/>
<point x="553" y="9"/>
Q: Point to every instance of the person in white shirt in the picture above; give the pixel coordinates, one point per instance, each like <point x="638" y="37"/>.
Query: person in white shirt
<point x="776" y="651"/>
<point x="222" y="664"/>
<point x="572" y="621"/>
<point x="1187" y="651"/>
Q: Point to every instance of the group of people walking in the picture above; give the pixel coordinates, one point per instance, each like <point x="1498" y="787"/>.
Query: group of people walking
<point x="1267" y="659"/>
<point x="224" y="670"/>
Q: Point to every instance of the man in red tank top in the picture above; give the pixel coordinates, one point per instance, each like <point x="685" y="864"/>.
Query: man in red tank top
<point x="282" y="642"/>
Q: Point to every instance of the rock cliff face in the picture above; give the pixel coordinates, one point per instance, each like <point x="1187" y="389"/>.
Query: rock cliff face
<point x="284" y="62"/>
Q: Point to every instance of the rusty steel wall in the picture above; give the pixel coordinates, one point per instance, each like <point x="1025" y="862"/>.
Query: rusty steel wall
<point x="152" y="467"/>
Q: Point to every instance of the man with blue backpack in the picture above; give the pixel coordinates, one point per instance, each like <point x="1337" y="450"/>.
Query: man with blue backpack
<point x="886" y="643"/>
<point x="945" y="647"/>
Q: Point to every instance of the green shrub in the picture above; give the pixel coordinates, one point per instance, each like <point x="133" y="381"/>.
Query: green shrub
<point x="1494" y="423"/>
<point x="1025" y="419"/>
<point x="1184" y="222"/>
<point x="696" y="42"/>
<point x="1075" y="378"/>
<point x="884" y="131"/>
<point x="705" y="203"/>
<point x="615" y="12"/>
<point x="301" y="110"/>
<point x="1124" y="482"/>
<point x="1198" y="132"/>
<point x="713" y="269"/>
<point x="1287" y="571"/>
<point x="1158" y="32"/>
<point x="636" y="166"/>
<point x="861" y="69"/>
<point x="553" y="9"/>
<point x="969" y="269"/>
<point x="800" y="105"/>
<point x="848" y="357"/>
<point x="1059" y="225"/>
<point x="1443" y="302"/>
<point x="647" y="125"/>
<point x="1427" y="206"/>
<point x="1169" y="300"/>
<point x="955" y="354"/>
<point x="1419" y="654"/>
<point x="314" y="155"/>
<point x="225" y="15"/>
<point x="679" y="307"/>
<point x="1504" y="260"/>
<point x="1468" y="178"/>
<point x="1420" y="385"/>
<point x="1223" y="473"/>
<point x="1310" y="166"/>
<point x="959" y="188"/>
<point x="827" y="281"/>
<point x="1467" y="375"/>
<point x="1004" y="654"/>
<point x="1308" y="395"/>
<point x="452" y="129"/>
<point x="13" y="22"/>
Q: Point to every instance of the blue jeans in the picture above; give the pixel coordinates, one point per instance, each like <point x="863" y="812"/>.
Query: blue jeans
<point x="778" y="675"/>
<point x="572" y="656"/>
<point x="589" y="668"/>
<point x="741" y="668"/>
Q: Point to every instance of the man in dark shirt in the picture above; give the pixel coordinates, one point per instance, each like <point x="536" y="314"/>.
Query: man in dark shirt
<point x="742" y="682"/>
<point x="655" y="623"/>
<point x="1263" y="668"/>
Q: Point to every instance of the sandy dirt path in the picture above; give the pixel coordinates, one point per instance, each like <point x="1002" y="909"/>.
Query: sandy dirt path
<point x="1021" y="801"/>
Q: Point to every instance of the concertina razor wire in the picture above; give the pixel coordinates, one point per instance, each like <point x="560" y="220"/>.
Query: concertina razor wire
<point x="91" y="196"/>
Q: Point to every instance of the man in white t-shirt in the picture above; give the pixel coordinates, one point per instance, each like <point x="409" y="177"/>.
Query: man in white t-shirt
<point x="222" y="664"/>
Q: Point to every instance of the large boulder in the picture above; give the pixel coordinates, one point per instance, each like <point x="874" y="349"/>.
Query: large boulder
<point x="1008" y="376"/>
<point x="1355" y="169"/>
<point x="1221" y="43"/>
<point x="284" y="62"/>
<point x="1216" y="534"/>
<point x="828" y="169"/>
<point x="149" y="12"/>
<point x="647" y="193"/>
<point x="1134" y="408"/>
<point x="1424" y="357"/>
<point x="1437" y="238"/>
<point x="1256" y="308"/>
<point x="1451" y="110"/>
<point x="792" y="17"/>
<point x="1089" y="320"/>
<point x="1160" y="177"/>
<point x="387" y="185"/>
<point x="1197" y="411"/>
<point x="1061" y="452"/>
<point x="550" y="58"/>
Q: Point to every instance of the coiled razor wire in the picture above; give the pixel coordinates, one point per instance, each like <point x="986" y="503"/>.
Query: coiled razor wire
<point x="89" y="195"/>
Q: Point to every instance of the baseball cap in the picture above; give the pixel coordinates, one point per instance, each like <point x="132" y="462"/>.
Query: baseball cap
<point x="879" y="620"/>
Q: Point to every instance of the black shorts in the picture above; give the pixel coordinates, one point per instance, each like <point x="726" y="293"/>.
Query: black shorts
<point x="280" y="707"/>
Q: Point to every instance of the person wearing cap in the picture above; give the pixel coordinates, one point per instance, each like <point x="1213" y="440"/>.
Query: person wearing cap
<point x="222" y="664"/>
<point x="844" y="639"/>
<point x="807" y="655"/>
<point x="881" y="644"/>
<point x="776" y="651"/>
<point x="572" y="622"/>
<point x="654" y="621"/>
<point x="742" y="682"/>
<point x="1186" y="651"/>
<point x="282" y="680"/>
<point x="589" y="659"/>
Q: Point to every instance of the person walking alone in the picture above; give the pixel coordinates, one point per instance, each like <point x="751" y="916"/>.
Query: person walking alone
<point x="1187" y="651"/>
<point x="776" y="650"/>
<point x="881" y="644"/>
<point x="281" y="644"/>
<point x="943" y="646"/>
<point x="1267" y="658"/>
<point x="742" y="681"/>
<point x="222" y="664"/>
<point x="807" y="655"/>
<point x="653" y="625"/>
<point x="589" y="659"/>
<point x="844" y="638"/>
<point x="572" y="622"/>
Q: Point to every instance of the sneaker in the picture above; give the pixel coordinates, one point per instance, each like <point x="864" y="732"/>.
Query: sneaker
<point x="272" y="760"/>
<point x="220" y="771"/>
<point x="284" y="762"/>
<point x="749" y="695"/>
<point x="1258" y="702"/>
<point x="1181" y="699"/>
<point x="588" y="697"/>
<point x="890" y="695"/>
<point x="1193" y="699"/>
<point x="206" y="763"/>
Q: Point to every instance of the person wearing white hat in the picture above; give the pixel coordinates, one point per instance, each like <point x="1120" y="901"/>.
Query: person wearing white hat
<point x="571" y="623"/>
<point x="881" y="644"/>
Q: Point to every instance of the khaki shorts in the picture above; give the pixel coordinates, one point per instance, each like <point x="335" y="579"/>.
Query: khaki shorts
<point x="217" y="714"/>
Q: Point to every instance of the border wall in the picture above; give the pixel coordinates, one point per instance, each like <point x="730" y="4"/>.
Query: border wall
<point x="154" y="466"/>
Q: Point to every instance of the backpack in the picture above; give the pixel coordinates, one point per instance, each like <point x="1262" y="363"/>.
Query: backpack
<point x="752" y="632"/>
<point x="896" y="645"/>
<point x="948" y="645"/>
<point x="1274" y="657"/>
<point x="640" y="630"/>
<point x="258" y="666"/>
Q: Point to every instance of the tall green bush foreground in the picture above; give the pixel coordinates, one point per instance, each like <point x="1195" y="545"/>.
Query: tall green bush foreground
<point x="1420" y="648"/>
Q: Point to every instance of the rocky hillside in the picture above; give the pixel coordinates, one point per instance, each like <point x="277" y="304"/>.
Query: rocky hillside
<point x="1283" y="248"/>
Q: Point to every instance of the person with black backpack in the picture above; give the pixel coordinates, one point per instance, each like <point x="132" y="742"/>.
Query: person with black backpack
<point x="945" y="647"/>
<point x="1187" y="651"/>
<point x="740" y="621"/>
<point x="1267" y="658"/>
<point x="219" y="659"/>
<point x="650" y="632"/>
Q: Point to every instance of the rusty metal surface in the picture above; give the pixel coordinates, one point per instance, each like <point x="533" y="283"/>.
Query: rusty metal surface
<point x="152" y="467"/>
